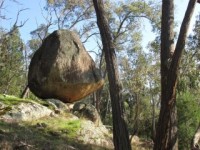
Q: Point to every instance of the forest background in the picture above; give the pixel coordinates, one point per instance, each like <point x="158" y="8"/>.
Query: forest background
<point x="135" y="26"/>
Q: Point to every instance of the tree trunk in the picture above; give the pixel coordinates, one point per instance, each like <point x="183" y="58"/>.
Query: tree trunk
<point x="153" y="130"/>
<point x="120" y="132"/>
<point x="166" y="133"/>
<point x="137" y="111"/>
<point x="104" y="109"/>
<point x="25" y="92"/>
<point x="98" y="99"/>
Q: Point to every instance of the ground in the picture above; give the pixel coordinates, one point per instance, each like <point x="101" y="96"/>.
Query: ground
<point x="60" y="129"/>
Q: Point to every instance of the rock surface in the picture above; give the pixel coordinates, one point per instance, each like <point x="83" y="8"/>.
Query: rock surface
<point x="91" y="134"/>
<point x="26" y="112"/>
<point x="58" y="105"/>
<point x="42" y="130"/>
<point x="196" y="139"/>
<point x="87" y="111"/>
<point x="62" y="69"/>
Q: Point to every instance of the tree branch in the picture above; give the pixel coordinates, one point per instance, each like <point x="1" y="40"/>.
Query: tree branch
<point x="1" y="7"/>
<point x="182" y="37"/>
<point x="15" y="26"/>
<point x="121" y="24"/>
<point x="127" y="16"/>
<point x="78" y="19"/>
<point x="92" y="52"/>
<point x="95" y="33"/>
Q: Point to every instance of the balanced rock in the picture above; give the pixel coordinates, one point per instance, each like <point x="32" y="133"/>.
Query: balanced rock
<point x="62" y="69"/>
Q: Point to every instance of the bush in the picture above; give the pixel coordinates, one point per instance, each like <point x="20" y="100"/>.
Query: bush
<point x="188" y="118"/>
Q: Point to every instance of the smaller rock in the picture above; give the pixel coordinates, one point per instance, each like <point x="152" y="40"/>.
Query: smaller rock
<point x="2" y="131"/>
<point x="57" y="111"/>
<point x="69" y="147"/>
<point x="2" y="105"/>
<point x="196" y="139"/>
<point x="135" y="140"/>
<point x="59" y="105"/>
<point x="41" y="125"/>
<point x="87" y="111"/>
<point x="23" y="146"/>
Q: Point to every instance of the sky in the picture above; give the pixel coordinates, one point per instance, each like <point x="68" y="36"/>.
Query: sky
<point x="34" y="11"/>
<point x="33" y="14"/>
<point x="180" y="8"/>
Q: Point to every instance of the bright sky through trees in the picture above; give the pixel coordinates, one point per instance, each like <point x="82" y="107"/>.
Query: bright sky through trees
<point x="35" y="18"/>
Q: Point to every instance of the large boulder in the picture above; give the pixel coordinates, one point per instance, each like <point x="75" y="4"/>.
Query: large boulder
<point x="62" y="69"/>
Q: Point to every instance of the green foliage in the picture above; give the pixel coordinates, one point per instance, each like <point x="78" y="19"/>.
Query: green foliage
<point x="189" y="71"/>
<point x="188" y="117"/>
<point x="11" y="68"/>
<point x="34" y="44"/>
<point x="69" y="13"/>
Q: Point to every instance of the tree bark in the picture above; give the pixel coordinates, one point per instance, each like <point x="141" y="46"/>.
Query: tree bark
<point x="166" y="133"/>
<point x="120" y="132"/>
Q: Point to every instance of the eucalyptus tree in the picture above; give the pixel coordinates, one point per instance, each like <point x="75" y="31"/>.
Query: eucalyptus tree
<point x="11" y="66"/>
<point x="153" y="76"/>
<point x="125" y="20"/>
<point x="126" y="24"/>
<point x="134" y="79"/>
<point x="166" y="133"/>
<point x="120" y="132"/>
<point x="11" y="53"/>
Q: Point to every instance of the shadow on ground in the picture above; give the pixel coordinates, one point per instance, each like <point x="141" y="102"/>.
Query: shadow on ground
<point x="17" y="136"/>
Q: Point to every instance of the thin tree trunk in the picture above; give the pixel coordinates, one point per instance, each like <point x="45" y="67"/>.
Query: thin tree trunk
<point x="166" y="133"/>
<point x="104" y="110"/>
<point x="153" y="134"/>
<point x="26" y="89"/>
<point x="98" y="99"/>
<point x="25" y="92"/>
<point x="136" y="118"/>
<point x="120" y="132"/>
